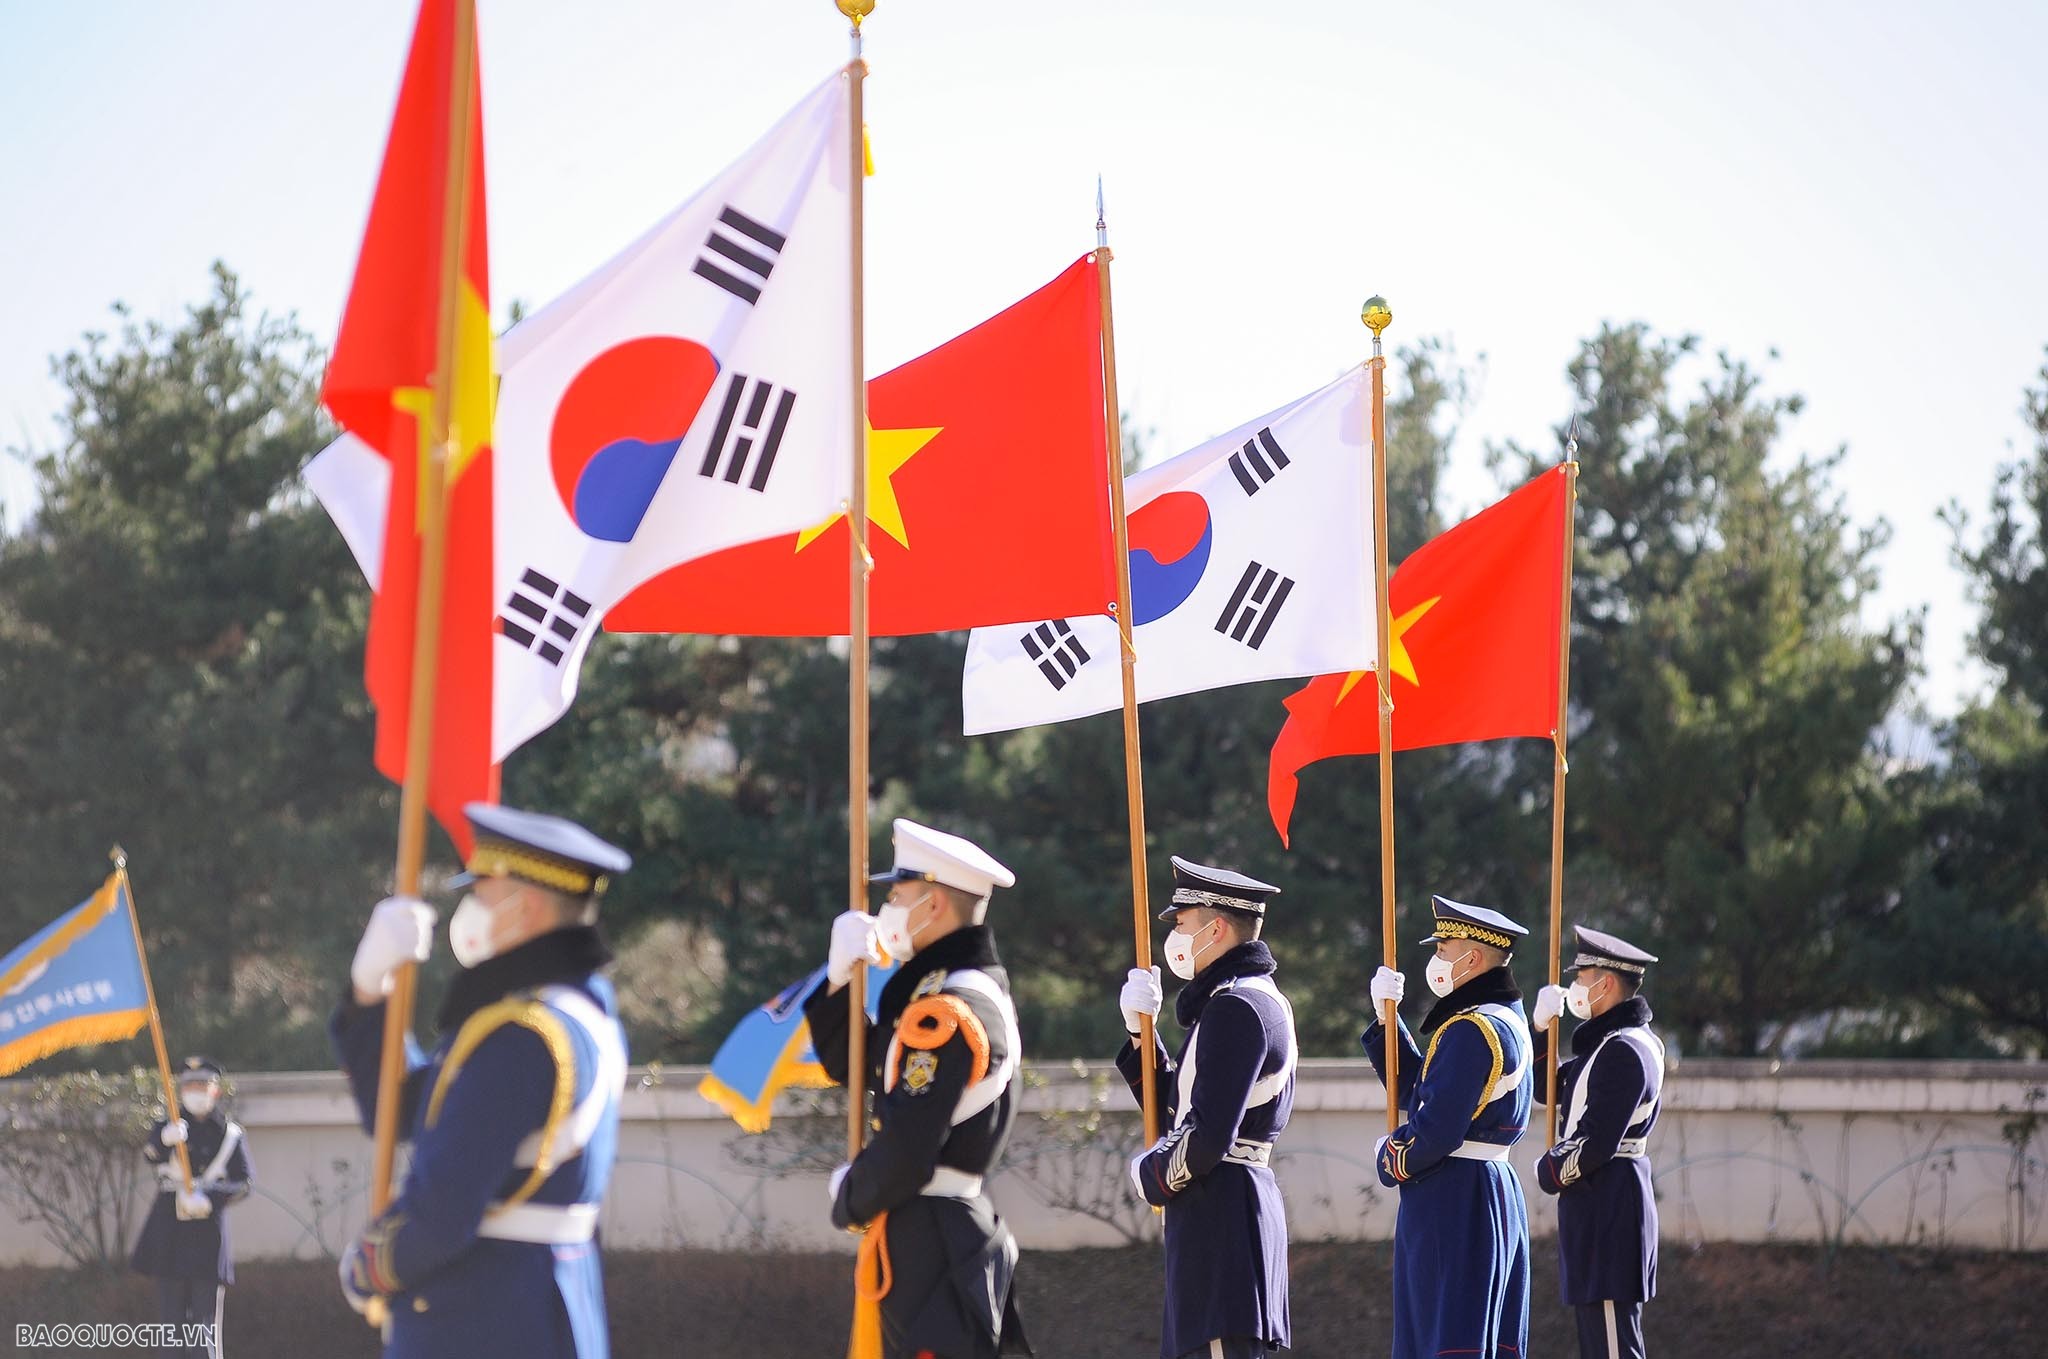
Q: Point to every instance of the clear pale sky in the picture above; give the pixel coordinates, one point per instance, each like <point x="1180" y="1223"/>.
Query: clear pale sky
<point x="1858" y="185"/>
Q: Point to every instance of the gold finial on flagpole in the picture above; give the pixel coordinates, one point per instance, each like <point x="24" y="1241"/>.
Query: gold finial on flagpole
<point x="1377" y="318"/>
<point x="856" y="10"/>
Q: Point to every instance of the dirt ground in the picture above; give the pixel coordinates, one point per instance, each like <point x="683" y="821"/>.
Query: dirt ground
<point x="1746" y="1301"/>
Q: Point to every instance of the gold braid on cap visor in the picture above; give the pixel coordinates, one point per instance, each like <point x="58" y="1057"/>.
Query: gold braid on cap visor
<point x="1458" y="929"/>
<point x="497" y="859"/>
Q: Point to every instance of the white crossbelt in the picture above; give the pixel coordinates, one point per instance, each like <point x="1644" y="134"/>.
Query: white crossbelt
<point x="1265" y="1089"/>
<point x="170" y="1175"/>
<point x="1481" y="1151"/>
<point x="948" y="1183"/>
<point x="607" y="1083"/>
<point x="545" y="1224"/>
<point x="1650" y="1048"/>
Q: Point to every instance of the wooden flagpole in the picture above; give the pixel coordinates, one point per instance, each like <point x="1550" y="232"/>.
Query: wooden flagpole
<point x="859" y="565"/>
<point x="1134" y="769"/>
<point x="156" y="1023"/>
<point x="435" y="453"/>
<point x="1378" y="318"/>
<point x="1560" y="765"/>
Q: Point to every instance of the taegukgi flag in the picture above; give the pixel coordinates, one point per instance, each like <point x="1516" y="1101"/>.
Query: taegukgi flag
<point x="1250" y="560"/>
<point x="692" y="394"/>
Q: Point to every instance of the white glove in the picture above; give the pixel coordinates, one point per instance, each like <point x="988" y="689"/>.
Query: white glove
<point x="1379" y="1147"/>
<point x="1387" y="984"/>
<point x="351" y="1281"/>
<point x="854" y="940"/>
<point x="1549" y="1005"/>
<point x="1137" y="1171"/>
<point x="401" y="930"/>
<point x="838" y="1178"/>
<point x="1141" y="997"/>
<point x="193" y="1204"/>
<point x="172" y="1133"/>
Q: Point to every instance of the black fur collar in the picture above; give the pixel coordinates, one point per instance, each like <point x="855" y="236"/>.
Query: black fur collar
<point x="1632" y="1013"/>
<point x="1495" y="986"/>
<point x="569" y="955"/>
<point x="1251" y="959"/>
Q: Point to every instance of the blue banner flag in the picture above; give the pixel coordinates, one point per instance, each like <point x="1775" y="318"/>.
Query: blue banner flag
<point x="770" y="1050"/>
<point x="77" y="982"/>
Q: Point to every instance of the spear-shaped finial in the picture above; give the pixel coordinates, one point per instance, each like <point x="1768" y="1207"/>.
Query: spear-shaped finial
<point x="1101" y="217"/>
<point x="119" y="856"/>
<point x="1571" y="439"/>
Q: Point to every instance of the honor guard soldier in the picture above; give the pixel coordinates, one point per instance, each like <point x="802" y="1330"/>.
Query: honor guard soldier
<point x="1228" y="1095"/>
<point x="948" y="1099"/>
<point x="184" y="1244"/>
<point x="1461" y="1239"/>
<point x="1608" y="1092"/>
<point x="489" y="1248"/>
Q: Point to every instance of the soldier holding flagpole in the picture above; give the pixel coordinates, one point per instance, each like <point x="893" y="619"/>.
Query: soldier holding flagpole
<point x="1226" y="1228"/>
<point x="1461" y="1239"/>
<point x="936" y="1262"/>
<point x="1610" y="1089"/>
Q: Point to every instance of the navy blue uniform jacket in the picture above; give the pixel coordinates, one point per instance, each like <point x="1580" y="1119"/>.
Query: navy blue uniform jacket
<point x="1227" y="1098"/>
<point x="517" y="1105"/>
<point x="1461" y="1238"/>
<point x="1599" y="1170"/>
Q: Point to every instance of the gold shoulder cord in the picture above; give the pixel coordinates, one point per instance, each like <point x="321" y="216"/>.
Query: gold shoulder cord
<point x="528" y="1014"/>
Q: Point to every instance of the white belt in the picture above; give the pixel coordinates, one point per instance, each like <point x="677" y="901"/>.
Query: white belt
<point x="543" y="1224"/>
<point x="1481" y="1151"/>
<point x="1632" y="1148"/>
<point x="948" y="1183"/>
<point x="1245" y="1152"/>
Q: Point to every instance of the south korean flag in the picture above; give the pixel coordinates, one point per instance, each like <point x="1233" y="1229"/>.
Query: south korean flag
<point x="691" y="394"/>
<point x="1250" y="560"/>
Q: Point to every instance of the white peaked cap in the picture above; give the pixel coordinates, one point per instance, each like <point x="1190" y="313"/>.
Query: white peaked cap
<point x="927" y="855"/>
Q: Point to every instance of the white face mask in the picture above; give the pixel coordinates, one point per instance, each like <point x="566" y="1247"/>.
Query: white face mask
<point x="1181" y="954"/>
<point x="198" y="1103"/>
<point x="472" y="930"/>
<point x="1578" y="998"/>
<point x="892" y="925"/>
<point x="1440" y="975"/>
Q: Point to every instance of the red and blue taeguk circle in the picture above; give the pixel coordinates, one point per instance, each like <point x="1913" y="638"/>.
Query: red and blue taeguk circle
<point x="618" y="426"/>
<point x="1170" y="540"/>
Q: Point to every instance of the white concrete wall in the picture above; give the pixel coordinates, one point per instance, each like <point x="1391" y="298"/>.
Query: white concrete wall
<point x="1857" y="1152"/>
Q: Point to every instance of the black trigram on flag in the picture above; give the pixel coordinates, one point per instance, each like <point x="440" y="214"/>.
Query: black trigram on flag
<point x="1253" y="605"/>
<point x="543" y="617"/>
<point x="739" y="254"/>
<point x="1057" y="650"/>
<point x="1258" y="462"/>
<point x="751" y="423"/>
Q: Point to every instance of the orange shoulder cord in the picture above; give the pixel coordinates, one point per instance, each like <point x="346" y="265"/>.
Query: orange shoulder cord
<point x="928" y="1024"/>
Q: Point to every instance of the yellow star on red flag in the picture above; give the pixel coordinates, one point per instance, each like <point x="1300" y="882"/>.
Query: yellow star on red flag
<point x="888" y="450"/>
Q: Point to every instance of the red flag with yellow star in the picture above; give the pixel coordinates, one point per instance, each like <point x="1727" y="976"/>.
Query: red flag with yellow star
<point x="988" y="496"/>
<point x="379" y="386"/>
<point x="1475" y="631"/>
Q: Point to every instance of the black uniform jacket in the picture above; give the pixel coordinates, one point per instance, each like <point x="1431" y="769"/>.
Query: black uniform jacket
<point x="951" y="1258"/>
<point x="170" y="1249"/>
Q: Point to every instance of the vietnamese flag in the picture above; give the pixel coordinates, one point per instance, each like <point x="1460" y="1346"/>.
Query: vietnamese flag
<point x="988" y="496"/>
<point x="379" y="386"/>
<point x="1474" y="645"/>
